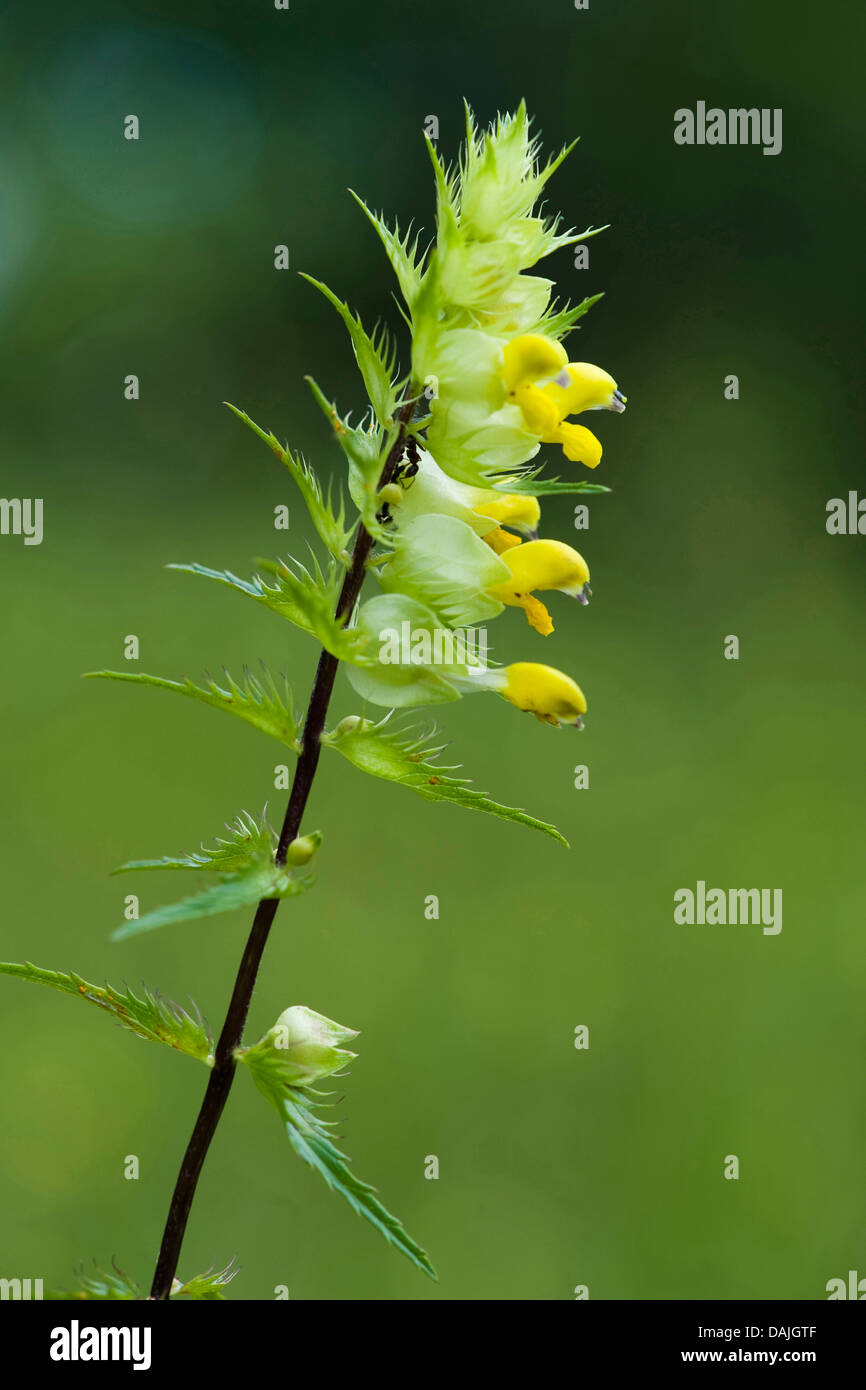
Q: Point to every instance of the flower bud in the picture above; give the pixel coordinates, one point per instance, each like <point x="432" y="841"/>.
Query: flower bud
<point x="391" y="494"/>
<point x="348" y="725"/>
<point x="550" y="695"/>
<point x="302" y="849"/>
<point x="308" y="1045"/>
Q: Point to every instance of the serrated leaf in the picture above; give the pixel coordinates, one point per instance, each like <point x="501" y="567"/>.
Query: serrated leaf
<point x="247" y="871"/>
<point x="151" y="1017"/>
<point x="402" y="252"/>
<point x="306" y="598"/>
<point x="401" y="756"/>
<point x="375" y="355"/>
<point x="330" y="522"/>
<point x="115" y="1285"/>
<point x="260" y="702"/>
<point x="531" y="485"/>
<point x="241" y="891"/>
<point x="447" y="199"/>
<point x="102" y="1284"/>
<point x="307" y="1133"/>
<point x="365" y="447"/>
<point x="561" y="319"/>
<point x="250" y="842"/>
<point x="207" y="1286"/>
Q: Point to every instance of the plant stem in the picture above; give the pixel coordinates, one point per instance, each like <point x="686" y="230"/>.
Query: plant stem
<point x="222" y="1074"/>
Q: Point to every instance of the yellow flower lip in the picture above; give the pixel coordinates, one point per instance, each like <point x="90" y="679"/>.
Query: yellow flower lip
<point x="553" y="697"/>
<point x="501" y="540"/>
<point x="578" y="444"/>
<point x="548" y="388"/>
<point x="545" y="564"/>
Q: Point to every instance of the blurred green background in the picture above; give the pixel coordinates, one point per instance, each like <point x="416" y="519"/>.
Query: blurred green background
<point x="557" y="1167"/>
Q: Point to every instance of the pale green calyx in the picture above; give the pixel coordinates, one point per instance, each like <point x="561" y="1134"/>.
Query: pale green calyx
<point x="445" y="565"/>
<point x="306" y="1045"/>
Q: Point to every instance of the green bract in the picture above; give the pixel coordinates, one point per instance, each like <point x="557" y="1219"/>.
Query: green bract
<point x="246" y="869"/>
<point x="299" y="1107"/>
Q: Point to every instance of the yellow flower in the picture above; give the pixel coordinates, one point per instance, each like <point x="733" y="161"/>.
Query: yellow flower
<point x="550" y="695"/>
<point x="581" y="386"/>
<point x="567" y="388"/>
<point x="509" y="509"/>
<point x="531" y="357"/>
<point x="542" y="565"/>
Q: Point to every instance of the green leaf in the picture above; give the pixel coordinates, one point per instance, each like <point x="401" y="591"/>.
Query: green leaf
<point x="308" y="599"/>
<point x="551" y="167"/>
<point x="330" y="523"/>
<point x="261" y="703"/>
<point x="207" y="1286"/>
<point x="251" y="842"/>
<point x="397" y="756"/>
<point x="115" y="1285"/>
<point x="531" y="485"/>
<point x="366" y="448"/>
<point x="307" y="1133"/>
<point x="402" y="252"/>
<point x="558" y="321"/>
<point x="151" y="1017"/>
<point x="247" y="872"/>
<point x="376" y="357"/>
<point x="243" y="890"/>
<point x="447" y="201"/>
<point x="100" y="1285"/>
